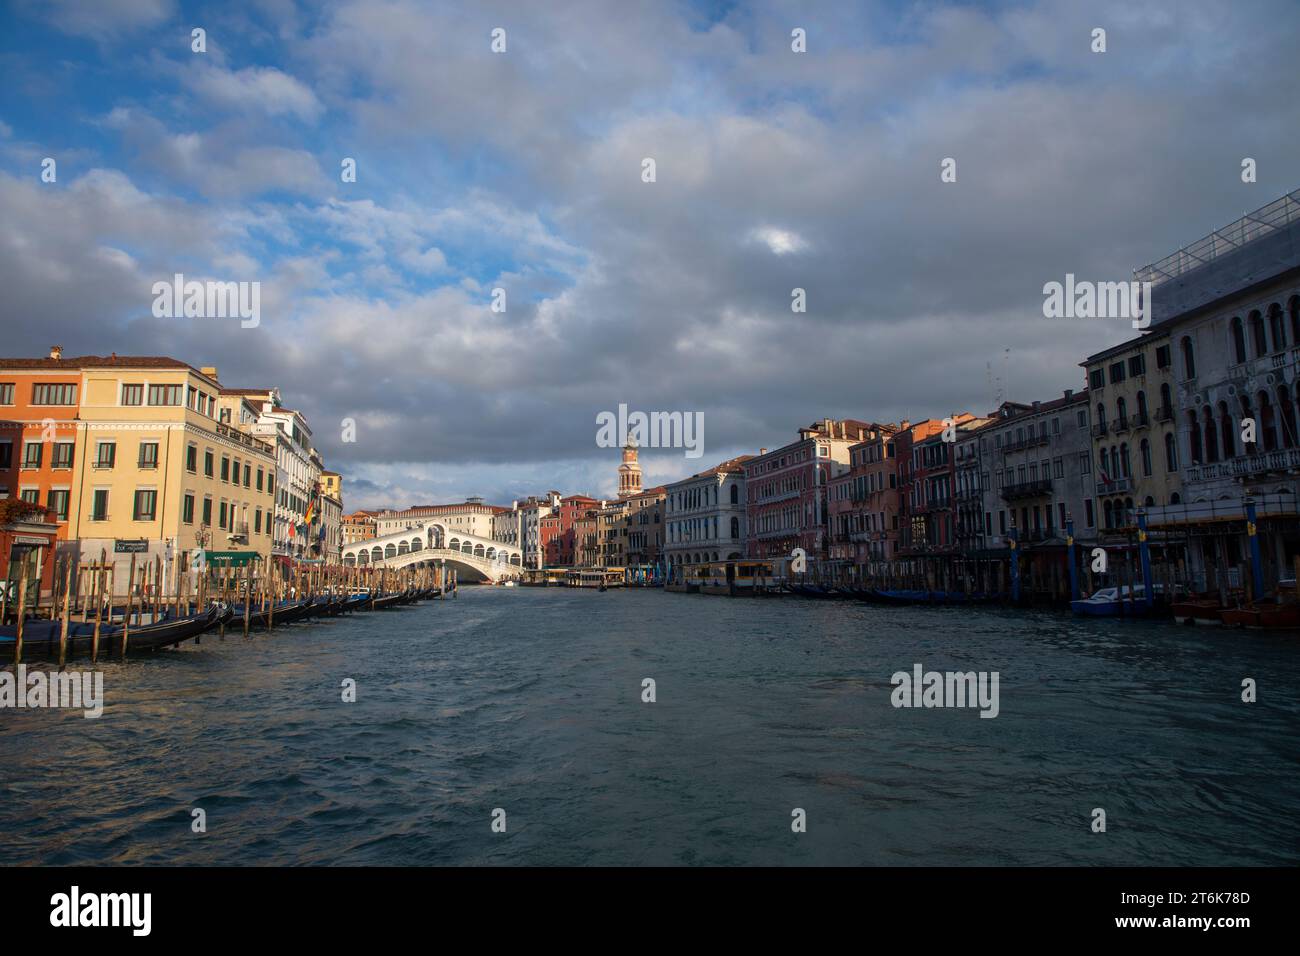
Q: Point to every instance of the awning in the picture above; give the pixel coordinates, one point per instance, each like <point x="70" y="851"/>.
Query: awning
<point x="235" y="559"/>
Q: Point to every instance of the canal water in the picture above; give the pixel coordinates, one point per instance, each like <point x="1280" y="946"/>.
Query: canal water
<point x="530" y="701"/>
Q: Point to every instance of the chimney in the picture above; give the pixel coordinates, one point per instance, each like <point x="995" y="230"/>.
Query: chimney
<point x="762" y="451"/>
<point x="56" y="352"/>
<point x="1069" y="394"/>
<point x="210" y="371"/>
<point x="904" y="425"/>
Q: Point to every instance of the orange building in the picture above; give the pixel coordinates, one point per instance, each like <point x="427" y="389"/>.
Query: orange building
<point x="38" y="432"/>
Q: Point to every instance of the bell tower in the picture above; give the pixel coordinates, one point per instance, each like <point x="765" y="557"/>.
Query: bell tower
<point x="629" y="473"/>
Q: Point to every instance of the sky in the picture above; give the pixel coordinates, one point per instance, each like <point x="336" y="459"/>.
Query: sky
<point x="523" y="171"/>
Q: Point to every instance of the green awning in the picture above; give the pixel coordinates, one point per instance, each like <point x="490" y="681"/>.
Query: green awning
<point x="235" y="559"/>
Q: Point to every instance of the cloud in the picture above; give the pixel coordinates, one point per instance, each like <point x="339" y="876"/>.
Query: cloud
<point x="256" y="89"/>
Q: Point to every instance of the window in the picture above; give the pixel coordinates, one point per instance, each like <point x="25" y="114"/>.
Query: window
<point x="248" y="472"/>
<point x="1085" y="463"/>
<point x="105" y="454"/>
<point x="62" y="455"/>
<point x="54" y="394"/>
<point x="207" y="511"/>
<point x="165" y="394"/>
<point x="58" y="502"/>
<point x="148" y="454"/>
<point x="1116" y="372"/>
<point x="146" y="500"/>
<point x="1238" y="340"/>
<point x="1163" y="357"/>
<point x="1189" y="358"/>
<point x="187" y="508"/>
<point x="6" y="393"/>
<point x="1137" y="365"/>
<point x="6" y="454"/>
<point x="32" y="454"/>
<point x="225" y="468"/>
<point x="221" y="516"/>
<point x="99" y="505"/>
<point x="257" y="520"/>
<point x="1089" y="517"/>
<point x="1083" y="418"/>
<point x="31" y="495"/>
<point x="1097" y="378"/>
<point x="1146" y="458"/>
<point x="259" y="483"/>
<point x="207" y="463"/>
<point x="1058" y="468"/>
<point x="132" y="394"/>
<point x="192" y="458"/>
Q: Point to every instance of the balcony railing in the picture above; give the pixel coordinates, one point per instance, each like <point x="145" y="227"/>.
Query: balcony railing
<point x="1164" y="414"/>
<point x="1099" y="430"/>
<point x="1278" y="461"/>
<point x="1121" y="425"/>
<point x="1027" y="489"/>
<point x="1029" y="441"/>
<point x="1141" y="419"/>
<point x="1114" y="486"/>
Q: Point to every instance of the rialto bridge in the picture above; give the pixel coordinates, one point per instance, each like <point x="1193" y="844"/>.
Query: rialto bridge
<point x="433" y="543"/>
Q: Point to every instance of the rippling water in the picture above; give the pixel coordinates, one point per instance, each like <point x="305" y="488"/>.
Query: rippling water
<point x="530" y="700"/>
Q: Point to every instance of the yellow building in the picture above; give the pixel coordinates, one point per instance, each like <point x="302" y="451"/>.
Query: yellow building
<point x="161" y="474"/>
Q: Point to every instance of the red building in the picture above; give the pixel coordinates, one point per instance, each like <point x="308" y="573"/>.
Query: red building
<point x="787" y="496"/>
<point x="558" y="534"/>
<point x="28" y="535"/>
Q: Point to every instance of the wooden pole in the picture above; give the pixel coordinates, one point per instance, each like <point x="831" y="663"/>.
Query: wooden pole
<point x="248" y="594"/>
<point x="99" y="610"/>
<point x="22" y="613"/>
<point x="67" y="611"/>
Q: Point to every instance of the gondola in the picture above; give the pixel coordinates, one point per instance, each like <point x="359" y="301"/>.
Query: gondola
<point x="41" y="638"/>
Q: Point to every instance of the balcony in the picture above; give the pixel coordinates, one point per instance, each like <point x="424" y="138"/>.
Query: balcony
<point x="1115" y="487"/>
<point x="1019" y="444"/>
<point x="1278" y="461"/>
<point x="1121" y="425"/>
<point x="1099" y="430"/>
<point x="1027" y="489"/>
<point x="1141" y="419"/>
<point x="969" y="494"/>
<point x="1164" y="414"/>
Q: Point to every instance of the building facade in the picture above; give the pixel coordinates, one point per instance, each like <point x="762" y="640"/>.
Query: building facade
<point x="705" y="515"/>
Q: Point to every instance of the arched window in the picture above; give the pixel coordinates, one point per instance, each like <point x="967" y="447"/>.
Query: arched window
<point x="1276" y="327"/>
<point x="735" y="522"/>
<point x="735" y="495"/>
<point x="1293" y="309"/>
<point x="1114" y="462"/>
<point x="1238" y="340"/>
<point x="1166" y="401"/>
<point x="1258" y="340"/>
<point x="1121" y="413"/>
<point x="1123" y="460"/>
<point x="1101" y="419"/>
<point x="1107" y="511"/>
<point x="1211" y="435"/>
<point x="1189" y="358"/>
<point x="1146" y="458"/>
<point x="1175" y="499"/>
<point x="1267" y="424"/>
<point x="1287" y="408"/>
<point x="1142" y="418"/>
<point x="1226" y="429"/>
<point x="1194" y="432"/>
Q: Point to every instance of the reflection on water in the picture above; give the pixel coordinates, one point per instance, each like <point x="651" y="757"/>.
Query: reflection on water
<point x="530" y="700"/>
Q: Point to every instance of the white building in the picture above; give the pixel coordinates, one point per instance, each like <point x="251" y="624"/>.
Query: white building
<point x="704" y="515"/>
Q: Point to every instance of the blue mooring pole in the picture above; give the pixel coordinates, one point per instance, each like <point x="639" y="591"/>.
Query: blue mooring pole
<point x="1015" y="566"/>
<point x="1144" y="552"/>
<point x="1256" y="559"/>
<point x="1074" y="564"/>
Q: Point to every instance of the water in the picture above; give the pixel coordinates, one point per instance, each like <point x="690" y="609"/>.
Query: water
<point x="530" y="700"/>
